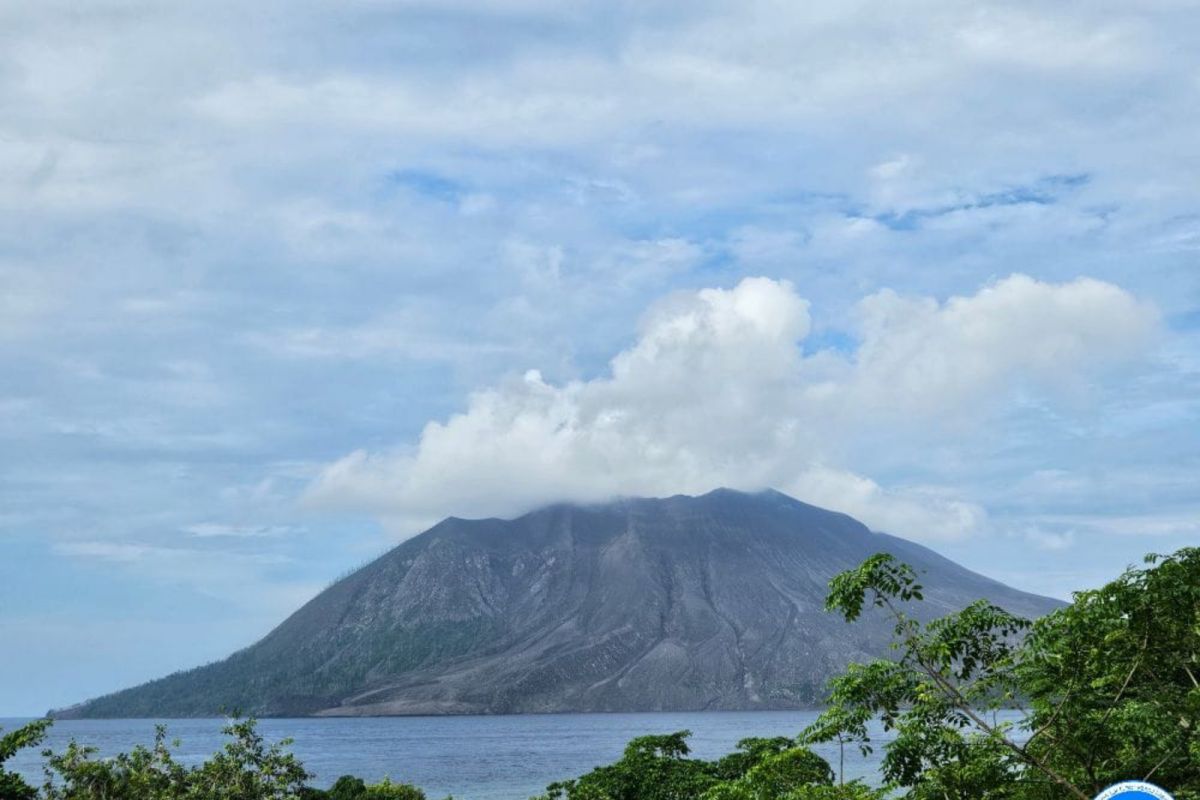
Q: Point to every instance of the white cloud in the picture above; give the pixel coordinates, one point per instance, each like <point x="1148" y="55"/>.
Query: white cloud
<point x="926" y="513"/>
<point x="120" y="552"/>
<point x="1046" y="43"/>
<point x="184" y="185"/>
<point x="716" y="391"/>
<point x="211" y="530"/>
<point x="931" y="358"/>
<point x="1049" y="540"/>
<point x="1173" y="524"/>
<point x="241" y="578"/>
<point x="401" y="335"/>
<point x="181" y="558"/>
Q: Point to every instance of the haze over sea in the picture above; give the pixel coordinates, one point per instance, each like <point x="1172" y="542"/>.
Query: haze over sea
<point x="471" y="758"/>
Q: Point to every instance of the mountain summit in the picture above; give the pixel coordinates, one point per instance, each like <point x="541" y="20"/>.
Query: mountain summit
<point x="710" y="602"/>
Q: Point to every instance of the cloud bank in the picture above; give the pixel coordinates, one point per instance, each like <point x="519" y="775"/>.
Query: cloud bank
<point x="240" y="240"/>
<point x="721" y="388"/>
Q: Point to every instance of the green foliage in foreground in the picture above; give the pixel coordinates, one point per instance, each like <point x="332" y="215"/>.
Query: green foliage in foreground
<point x="247" y="768"/>
<point x="12" y="787"/>
<point x="1110" y="683"/>
<point x="658" y="768"/>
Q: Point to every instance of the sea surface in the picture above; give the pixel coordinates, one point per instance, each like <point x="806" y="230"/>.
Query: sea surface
<point x="471" y="758"/>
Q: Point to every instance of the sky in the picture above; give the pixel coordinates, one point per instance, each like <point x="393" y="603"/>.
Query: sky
<point x="281" y="284"/>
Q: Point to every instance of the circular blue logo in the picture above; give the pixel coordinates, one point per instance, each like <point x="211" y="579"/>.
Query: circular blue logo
<point x="1134" y="790"/>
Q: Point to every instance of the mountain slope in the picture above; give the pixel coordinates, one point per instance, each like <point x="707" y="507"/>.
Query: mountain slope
<point x="711" y="602"/>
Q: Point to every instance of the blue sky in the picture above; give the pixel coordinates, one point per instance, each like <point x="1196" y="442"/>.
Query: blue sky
<point x="281" y="286"/>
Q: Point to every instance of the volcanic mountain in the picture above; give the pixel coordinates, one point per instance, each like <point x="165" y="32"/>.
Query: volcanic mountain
<point x="710" y="602"/>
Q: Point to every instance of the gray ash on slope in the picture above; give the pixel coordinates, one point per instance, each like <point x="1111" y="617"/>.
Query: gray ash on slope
<point x="681" y="603"/>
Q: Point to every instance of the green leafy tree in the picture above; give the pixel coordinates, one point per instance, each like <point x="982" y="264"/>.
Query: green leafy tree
<point x="12" y="786"/>
<point x="936" y="695"/>
<point x="249" y="769"/>
<point x="749" y="753"/>
<point x="658" y="768"/>
<point x="782" y="773"/>
<point x="1109" y="683"/>
<point x="245" y="769"/>
<point x="1113" y="680"/>
<point x="386" y="790"/>
<point x="149" y="773"/>
<point x="775" y="775"/>
<point x="651" y="768"/>
<point x="855" y="790"/>
<point x="347" y="787"/>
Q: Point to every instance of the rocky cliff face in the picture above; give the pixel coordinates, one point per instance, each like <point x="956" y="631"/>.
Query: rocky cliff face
<point x="711" y="602"/>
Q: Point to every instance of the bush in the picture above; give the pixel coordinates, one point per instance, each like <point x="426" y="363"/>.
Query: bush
<point x="386" y="790"/>
<point x="349" y="787"/>
<point x="657" y="768"/>
<point x="245" y="769"/>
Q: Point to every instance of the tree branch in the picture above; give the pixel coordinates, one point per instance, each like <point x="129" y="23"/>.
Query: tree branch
<point x="960" y="702"/>
<point x="1053" y="717"/>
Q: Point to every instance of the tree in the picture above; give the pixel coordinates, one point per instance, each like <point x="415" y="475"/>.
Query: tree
<point x="386" y="790"/>
<point x="1113" y="680"/>
<point x="245" y="769"/>
<point x="1109" y="684"/>
<point x="143" y="772"/>
<point x="249" y="769"/>
<point x="748" y="754"/>
<point x="657" y="768"/>
<point x="12" y="786"/>
<point x="651" y="768"/>
<point x="347" y="787"/>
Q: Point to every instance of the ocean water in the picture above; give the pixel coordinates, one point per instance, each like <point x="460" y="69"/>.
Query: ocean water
<point x="471" y="758"/>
